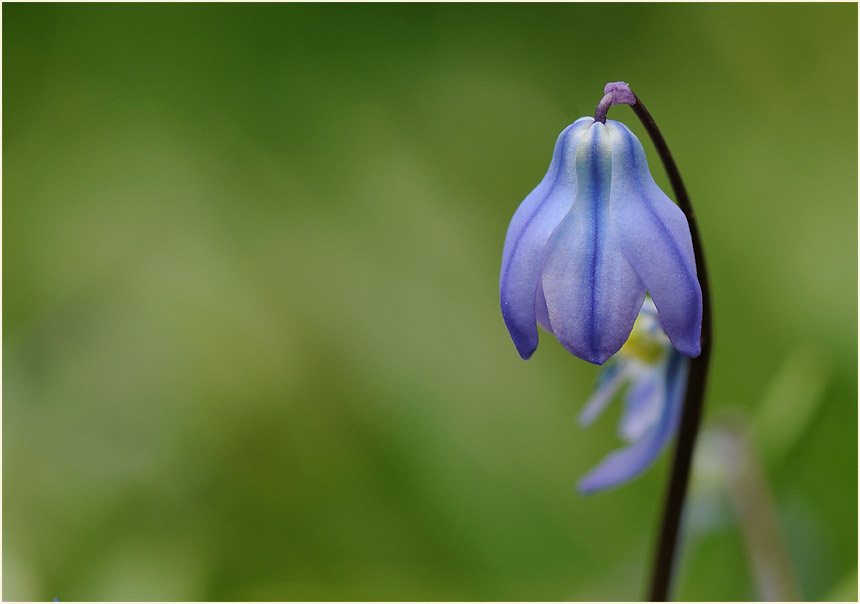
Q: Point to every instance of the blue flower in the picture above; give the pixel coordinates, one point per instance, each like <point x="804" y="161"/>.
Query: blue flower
<point x="589" y="241"/>
<point x="656" y="376"/>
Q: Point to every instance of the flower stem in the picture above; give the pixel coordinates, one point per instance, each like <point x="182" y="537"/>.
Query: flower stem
<point x="695" y="395"/>
<point x="602" y="107"/>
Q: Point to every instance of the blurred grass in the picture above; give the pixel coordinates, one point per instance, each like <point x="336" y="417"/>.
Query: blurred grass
<point x="252" y="347"/>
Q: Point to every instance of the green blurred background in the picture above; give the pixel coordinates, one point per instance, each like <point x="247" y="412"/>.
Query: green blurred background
<point x="252" y="347"/>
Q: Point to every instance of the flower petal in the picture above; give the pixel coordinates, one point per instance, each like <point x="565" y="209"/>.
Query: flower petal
<point x="532" y="223"/>
<point x="623" y="465"/>
<point x="541" y="312"/>
<point x="655" y="237"/>
<point x="643" y="403"/>
<point x="609" y="383"/>
<point x="593" y="295"/>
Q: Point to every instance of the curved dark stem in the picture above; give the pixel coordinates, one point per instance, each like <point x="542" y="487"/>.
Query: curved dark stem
<point x="695" y="395"/>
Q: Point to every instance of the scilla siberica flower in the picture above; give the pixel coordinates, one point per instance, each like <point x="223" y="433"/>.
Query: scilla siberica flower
<point x="656" y="376"/>
<point x="581" y="252"/>
<point x="588" y="242"/>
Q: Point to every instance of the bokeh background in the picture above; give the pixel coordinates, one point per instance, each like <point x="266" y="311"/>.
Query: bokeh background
<point x="252" y="347"/>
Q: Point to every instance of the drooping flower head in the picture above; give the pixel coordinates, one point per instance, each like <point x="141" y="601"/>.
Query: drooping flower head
<point x="655" y="375"/>
<point x="589" y="241"/>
